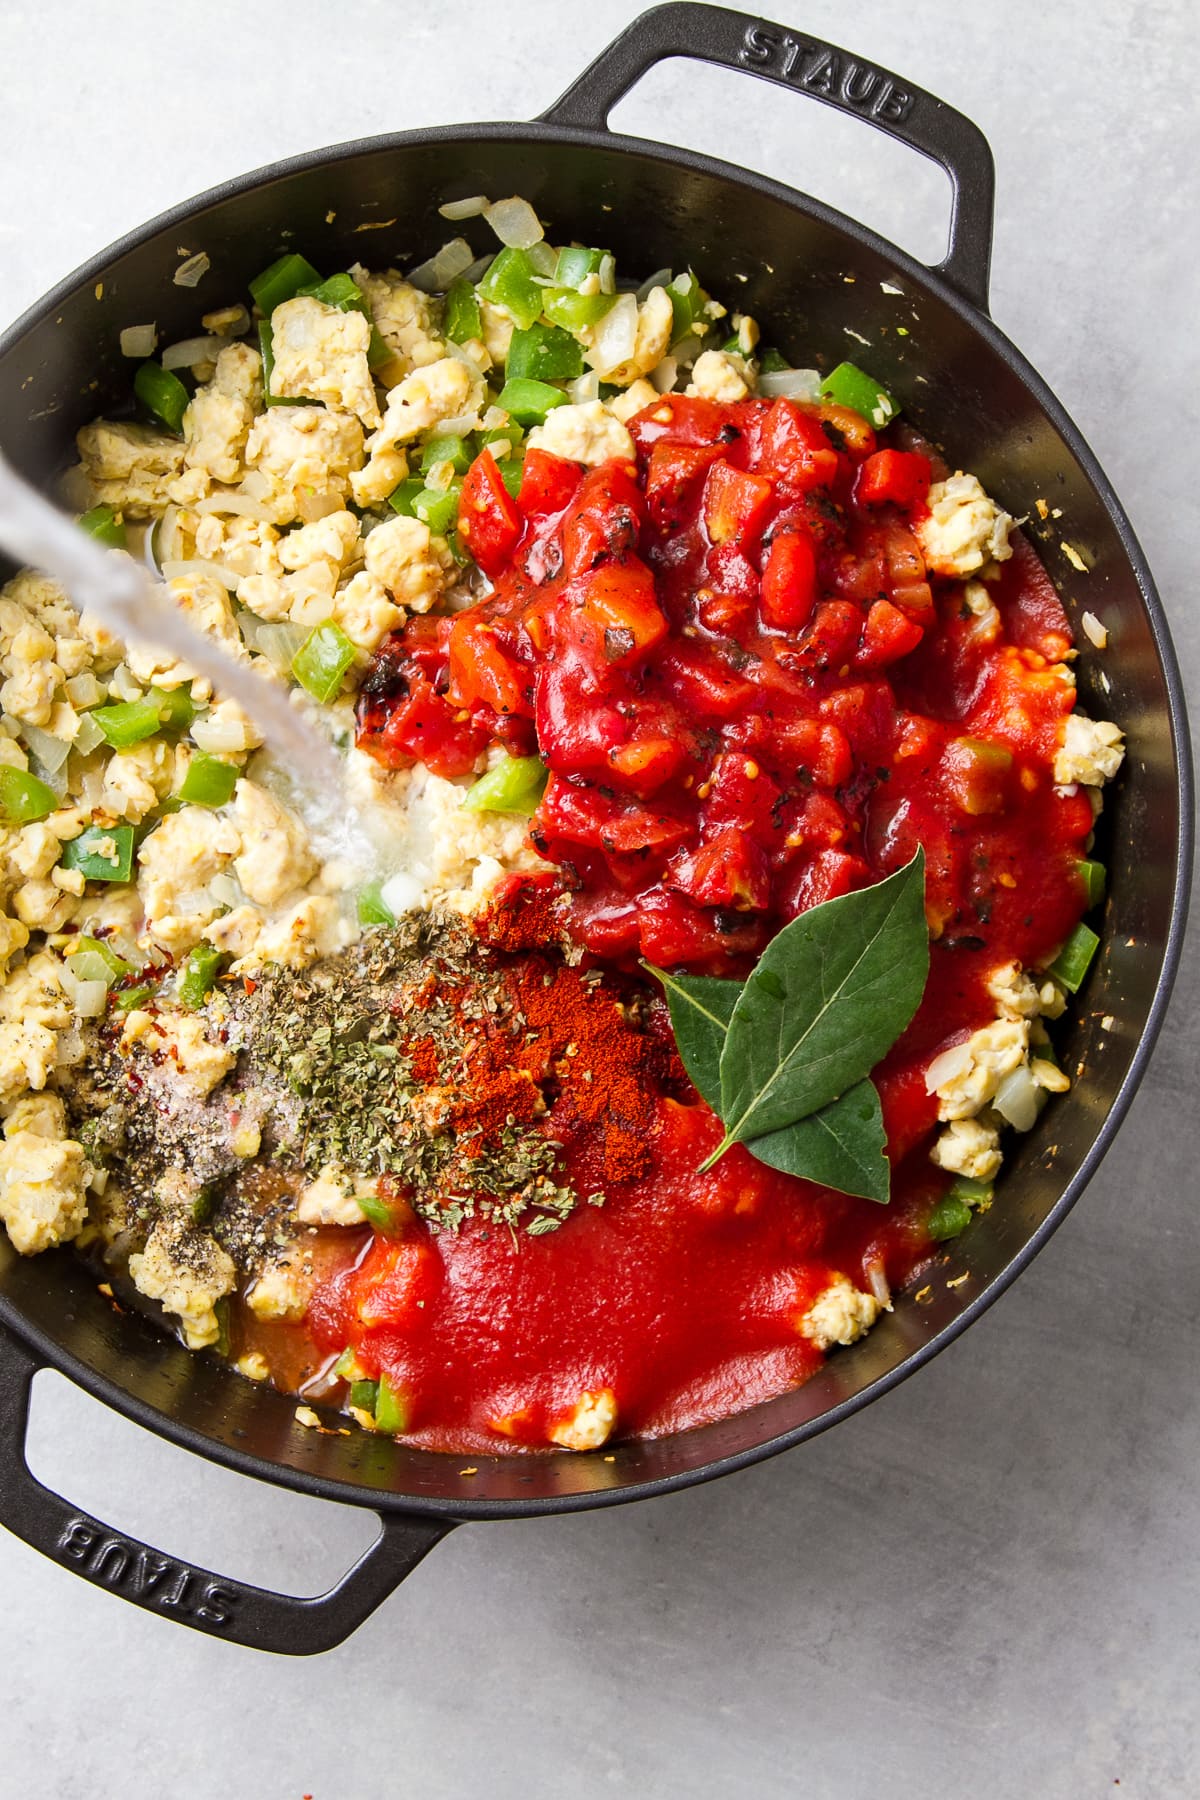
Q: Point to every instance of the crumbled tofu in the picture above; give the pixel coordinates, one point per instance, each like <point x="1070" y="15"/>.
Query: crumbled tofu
<point x="655" y="323"/>
<point x="33" y="851"/>
<point x="1092" y="751"/>
<point x="180" y="1038"/>
<point x="34" y="683"/>
<point x="717" y="376"/>
<point x="365" y="611"/>
<point x="382" y="475"/>
<point x="243" y="546"/>
<point x="306" y="453"/>
<point x="321" y="354"/>
<point x="177" y="862"/>
<point x="284" y="1288"/>
<point x="587" y="433"/>
<point x="403" y="317"/>
<point x="129" y="467"/>
<point x="498" y="329"/>
<point x="204" y="601"/>
<point x="301" y="934"/>
<point x="411" y="563"/>
<point x="1094" y="631"/>
<point x="332" y="1198"/>
<point x="235" y="932"/>
<point x="839" y="1315"/>
<point x="1016" y="994"/>
<point x="333" y="540"/>
<point x="43" y="1178"/>
<point x="967" y="1147"/>
<point x="27" y="1056"/>
<point x="591" y="1422"/>
<point x="978" y="1067"/>
<point x="964" y="528"/>
<point x="135" y="780"/>
<point x="422" y="400"/>
<point x="275" y="858"/>
<point x="34" y="995"/>
<point x="187" y="1271"/>
<point x="217" y="422"/>
<point x="13" y="937"/>
<point x="632" y="400"/>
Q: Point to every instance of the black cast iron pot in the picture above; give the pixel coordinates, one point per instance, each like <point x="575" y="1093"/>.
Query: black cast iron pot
<point x="812" y="274"/>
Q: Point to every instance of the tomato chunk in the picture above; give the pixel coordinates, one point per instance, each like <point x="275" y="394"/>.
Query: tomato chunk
<point x="898" y="477"/>
<point x="789" y="582"/>
<point x="548" y="483"/>
<point x="489" y="521"/>
<point x="735" y="504"/>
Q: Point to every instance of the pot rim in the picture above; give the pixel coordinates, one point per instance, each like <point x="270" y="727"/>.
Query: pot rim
<point x="619" y="144"/>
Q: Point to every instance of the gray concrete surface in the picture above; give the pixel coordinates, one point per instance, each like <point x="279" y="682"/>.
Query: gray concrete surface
<point x="986" y="1584"/>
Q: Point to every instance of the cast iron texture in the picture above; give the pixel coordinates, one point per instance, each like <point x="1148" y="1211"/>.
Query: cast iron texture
<point x="828" y="288"/>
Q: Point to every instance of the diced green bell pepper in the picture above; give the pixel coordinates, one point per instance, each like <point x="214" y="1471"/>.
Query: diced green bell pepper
<point x="949" y="1217"/>
<point x="515" y="785"/>
<point x="688" y="301"/>
<point x="575" y="312"/>
<point x="772" y="362"/>
<point x="372" y="909"/>
<point x="364" y="1396"/>
<point x="509" y="283"/>
<point x="543" y="353"/>
<point x="511" y="434"/>
<point x="530" y="401"/>
<point x="348" y="1365"/>
<point x="101" y="853"/>
<point x="438" y="507"/>
<point x="392" y="1409"/>
<point x="91" y="959"/>
<point x="401" y="498"/>
<point x="376" y="1212"/>
<point x="575" y="262"/>
<point x="1074" y="959"/>
<point x="320" y="663"/>
<point x="512" y="471"/>
<point x="463" y="318"/>
<point x="209" y="781"/>
<point x="23" y="798"/>
<point x="102" y="523"/>
<point x="848" y="385"/>
<point x="199" y="975"/>
<point x="130" y="999"/>
<point x="282" y="281"/>
<point x="448" y="448"/>
<point x="1094" y="879"/>
<point x="162" y="393"/>
<point x="130" y="721"/>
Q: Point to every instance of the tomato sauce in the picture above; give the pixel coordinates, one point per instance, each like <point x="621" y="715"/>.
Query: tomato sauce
<point x="751" y="696"/>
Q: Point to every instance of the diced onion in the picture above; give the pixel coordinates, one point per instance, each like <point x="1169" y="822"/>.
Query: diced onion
<point x="608" y="273"/>
<point x="790" y="384"/>
<point x="615" y="335"/>
<point x="1017" y="1099"/>
<point x="190" y="351"/>
<point x="544" y="260"/>
<point x="515" y="223"/>
<point x="946" y="1067"/>
<point x="402" y="893"/>
<point x="585" y="387"/>
<point x="89" y="736"/>
<point x="197" y="565"/>
<point x="465" y="209"/>
<point x="435" y="274"/>
<point x="461" y="424"/>
<point x="189" y="274"/>
<point x="84" y="691"/>
<point x="479" y="268"/>
<point x="239" y="504"/>
<point x="217" y="735"/>
<point x="226" y="891"/>
<point x="478" y="392"/>
<point x="51" y="752"/>
<point x="278" y="643"/>
<point x="877" y="1276"/>
<point x="664" y="374"/>
<point x="90" y="999"/>
<point x="138" y="340"/>
<point x="55" y="779"/>
<point x="660" y="278"/>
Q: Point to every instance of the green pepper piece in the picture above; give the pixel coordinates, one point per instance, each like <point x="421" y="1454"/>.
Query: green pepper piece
<point x="574" y="312"/>
<point x="530" y="401"/>
<point x="199" y="975"/>
<point x="448" y="448"/>
<point x="544" y="353"/>
<point x="209" y="781"/>
<point x="1074" y="959"/>
<point x="163" y="394"/>
<point x="848" y="385"/>
<point x="376" y="1212"/>
<point x="515" y="785"/>
<point x="23" y="798"/>
<point x="688" y="301"/>
<point x="438" y="507"/>
<point x="372" y="908"/>
<point x="1094" y="881"/>
<point x="970" y="1191"/>
<point x="364" y="1396"/>
<point x="102" y="523"/>
<point x="204" y="1205"/>
<point x="348" y="1365"/>
<point x="392" y="1407"/>
<point x="282" y="281"/>
<point x="320" y="663"/>
<point x="575" y="263"/>
<point x="772" y="362"/>
<point x="511" y="434"/>
<point x="463" y="318"/>
<point x="130" y="999"/>
<point x="401" y="498"/>
<point x="266" y="345"/>
<point x="101" y="853"/>
<point x="91" y="959"/>
<point x="509" y="283"/>
<point x="130" y="721"/>
<point x="949" y="1217"/>
<point x="512" y="472"/>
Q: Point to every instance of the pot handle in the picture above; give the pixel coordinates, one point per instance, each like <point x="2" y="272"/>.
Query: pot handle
<point x="233" y="1610"/>
<point x="808" y="64"/>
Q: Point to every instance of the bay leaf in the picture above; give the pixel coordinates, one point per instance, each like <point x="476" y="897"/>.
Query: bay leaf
<point x="701" y="1007"/>
<point x="841" y="1146"/>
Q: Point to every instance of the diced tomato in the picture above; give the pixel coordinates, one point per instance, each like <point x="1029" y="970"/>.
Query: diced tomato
<point x="896" y="477"/>
<point x="646" y="763"/>
<point x="849" y="426"/>
<point x="489" y="522"/>
<point x="829" y="875"/>
<point x="482" y="671"/>
<point x="729" y="870"/>
<point x="681" y="419"/>
<point x="605" y="821"/>
<point x="796" y="448"/>
<point x="674" y="473"/>
<point x="618" y="599"/>
<point x="789" y="582"/>
<point x="673" y="931"/>
<point x="548" y="483"/>
<point x="395" y="1279"/>
<point x="604" y="521"/>
<point x="702" y="681"/>
<point x="887" y="636"/>
<point x="830" y="641"/>
<point x="735" y="505"/>
<point x="740" y="792"/>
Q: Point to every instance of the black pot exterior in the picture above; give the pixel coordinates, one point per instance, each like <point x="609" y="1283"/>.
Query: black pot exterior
<point x="827" y="289"/>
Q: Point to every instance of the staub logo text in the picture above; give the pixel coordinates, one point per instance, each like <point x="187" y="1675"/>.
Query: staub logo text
<point x="820" y="70"/>
<point x="141" y="1575"/>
